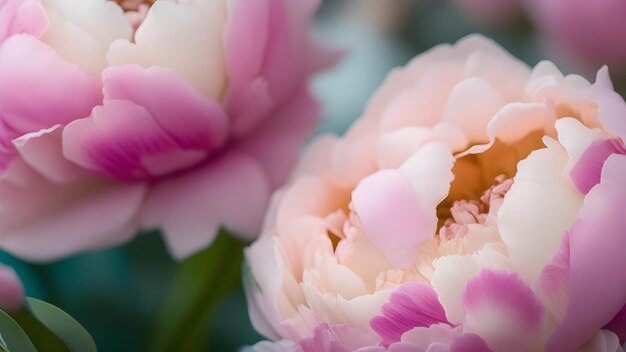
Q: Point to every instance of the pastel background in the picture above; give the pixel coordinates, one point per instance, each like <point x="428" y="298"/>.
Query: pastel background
<point x="116" y="293"/>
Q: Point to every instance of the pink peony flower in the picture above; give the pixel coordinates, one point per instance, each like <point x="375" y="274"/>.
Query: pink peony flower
<point x="185" y="125"/>
<point x="11" y="289"/>
<point x="584" y="34"/>
<point x="475" y="206"/>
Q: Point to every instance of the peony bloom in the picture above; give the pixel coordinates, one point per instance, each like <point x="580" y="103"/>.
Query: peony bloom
<point x="11" y="289"/>
<point x="477" y="205"/>
<point x="178" y="115"/>
<point x="581" y="33"/>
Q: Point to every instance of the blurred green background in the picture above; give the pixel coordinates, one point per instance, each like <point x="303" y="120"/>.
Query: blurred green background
<point x="116" y="293"/>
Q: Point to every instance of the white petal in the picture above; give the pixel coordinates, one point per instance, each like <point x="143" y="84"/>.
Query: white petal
<point x="538" y="209"/>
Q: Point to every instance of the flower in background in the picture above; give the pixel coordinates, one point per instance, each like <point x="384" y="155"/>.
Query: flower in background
<point x="491" y="13"/>
<point x="475" y="206"/>
<point x="186" y="124"/>
<point x="11" y="289"/>
<point x="583" y="34"/>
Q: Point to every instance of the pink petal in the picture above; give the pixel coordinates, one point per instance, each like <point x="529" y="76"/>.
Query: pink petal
<point x="42" y="221"/>
<point x="500" y="308"/>
<point x="42" y="151"/>
<point x="596" y="292"/>
<point x="268" y="56"/>
<point x="552" y="282"/>
<point x="277" y="142"/>
<point x="611" y="106"/>
<point x="586" y="173"/>
<point x="231" y="191"/>
<point x="21" y="16"/>
<point x="123" y="140"/>
<point x="40" y="89"/>
<point x="411" y="305"/>
<point x="11" y="289"/>
<point x="192" y="120"/>
<point x="391" y="215"/>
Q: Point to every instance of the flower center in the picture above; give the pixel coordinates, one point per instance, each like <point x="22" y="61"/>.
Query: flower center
<point x="135" y="11"/>
<point x="465" y="212"/>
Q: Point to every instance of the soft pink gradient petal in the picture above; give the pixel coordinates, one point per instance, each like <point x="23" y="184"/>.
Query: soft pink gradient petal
<point x="597" y="245"/>
<point x="122" y="139"/>
<point x="231" y="191"/>
<point x="276" y="149"/>
<point x="411" y="305"/>
<point x="21" y="16"/>
<point x="41" y="151"/>
<point x="611" y="106"/>
<point x="40" y="89"/>
<point x="42" y="221"/>
<point x="586" y="173"/>
<point x="11" y="289"/>
<point x="192" y="120"/>
<point x="500" y="308"/>
<point x="391" y="215"/>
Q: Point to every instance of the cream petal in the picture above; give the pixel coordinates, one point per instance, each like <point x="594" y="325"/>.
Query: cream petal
<point x="81" y="31"/>
<point x="538" y="209"/>
<point x="168" y="37"/>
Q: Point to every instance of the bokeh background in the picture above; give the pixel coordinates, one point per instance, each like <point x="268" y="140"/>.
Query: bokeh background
<point x="116" y="293"/>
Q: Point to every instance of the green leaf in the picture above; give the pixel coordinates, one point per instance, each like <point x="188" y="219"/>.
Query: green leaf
<point x="12" y="336"/>
<point x="63" y="325"/>
<point x="39" y="334"/>
<point x="198" y="286"/>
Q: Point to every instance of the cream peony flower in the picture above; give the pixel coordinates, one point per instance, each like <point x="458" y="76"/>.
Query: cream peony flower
<point x="468" y="206"/>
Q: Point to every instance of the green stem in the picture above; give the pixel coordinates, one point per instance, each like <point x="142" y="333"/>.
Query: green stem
<point x="199" y="285"/>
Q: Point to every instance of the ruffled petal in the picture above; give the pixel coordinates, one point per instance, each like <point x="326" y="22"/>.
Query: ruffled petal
<point x="611" y="106"/>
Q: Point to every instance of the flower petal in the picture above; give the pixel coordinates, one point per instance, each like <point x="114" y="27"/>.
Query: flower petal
<point x="596" y="249"/>
<point x="41" y="89"/>
<point x="190" y="208"/>
<point x="168" y="37"/>
<point x="391" y="216"/>
<point x="19" y="16"/>
<point x="42" y="221"/>
<point x="528" y="224"/>
<point x="276" y="149"/>
<point x="611" y="107"/>
<point x="410" y="305"/>
<point x="499" y="307"/>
